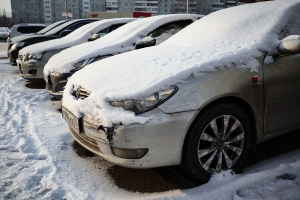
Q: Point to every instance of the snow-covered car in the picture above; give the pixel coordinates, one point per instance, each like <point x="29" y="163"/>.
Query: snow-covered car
<point x="66" y="27"/>
<point x="135" y="35"/>
<point x="33" y="58"/>
<point x="202" y="99"/>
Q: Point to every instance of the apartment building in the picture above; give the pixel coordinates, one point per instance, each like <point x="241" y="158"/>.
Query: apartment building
<point x="49" y="11"/>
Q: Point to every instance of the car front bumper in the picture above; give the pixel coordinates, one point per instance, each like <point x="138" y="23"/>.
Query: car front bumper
<point x="31" y="70"/>
<point x="55" y="83"/>
<point x="13" y="55"/>
<point x="162" y="136"/>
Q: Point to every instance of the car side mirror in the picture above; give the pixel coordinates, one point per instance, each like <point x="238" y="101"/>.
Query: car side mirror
<point x="291" y="46"/>
<point x="146" y="42"/>
<point x="94" y="37"/>
<point x="65" y="32"/>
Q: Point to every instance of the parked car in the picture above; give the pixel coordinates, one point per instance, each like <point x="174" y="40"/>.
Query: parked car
<point x="16" y="44"/>
<point x="4" y="32"/>
<point x="24" y="28"/>
<point x="135" y="35"/>
<point x="33" y="58"/>
<point x="202" y="99"/>
<point x="29" y="35"/>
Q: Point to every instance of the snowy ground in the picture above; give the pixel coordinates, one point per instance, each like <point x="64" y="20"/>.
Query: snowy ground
<point x="37" y="159"/>
<point x="3" y="48"/>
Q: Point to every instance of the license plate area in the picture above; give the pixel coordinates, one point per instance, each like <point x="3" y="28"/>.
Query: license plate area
<point x="73" y="121"/>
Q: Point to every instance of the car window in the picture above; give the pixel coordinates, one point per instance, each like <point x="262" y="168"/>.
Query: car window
<point x="170" y="28"/>
<point x="29" y="29"/>
<point x="109" y="29"/>
<point x="37" y="28"/>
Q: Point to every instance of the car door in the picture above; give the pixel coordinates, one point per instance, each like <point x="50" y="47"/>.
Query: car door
<point x="282" y="87"/>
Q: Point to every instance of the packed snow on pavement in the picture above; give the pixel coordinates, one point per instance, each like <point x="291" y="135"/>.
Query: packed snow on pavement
<point x="37" y="160"/>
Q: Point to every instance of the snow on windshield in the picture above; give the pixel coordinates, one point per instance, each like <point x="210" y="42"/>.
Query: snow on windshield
<point x="121" y="40"/>
<point x="234" y="35"/>
<point x="78" y="36"/>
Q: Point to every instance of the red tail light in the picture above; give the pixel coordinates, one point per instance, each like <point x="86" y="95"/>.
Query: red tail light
<point x="8" y="34"/>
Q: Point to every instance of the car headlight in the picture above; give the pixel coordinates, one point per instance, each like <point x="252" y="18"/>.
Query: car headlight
<point x="141" y="105"/>
<point x="35" y="56"/>
<point x="79" y="65"/>
<point x="20" y="44"/>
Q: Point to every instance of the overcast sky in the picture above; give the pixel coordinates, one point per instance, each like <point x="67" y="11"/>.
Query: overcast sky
<point x="6" y="5"/>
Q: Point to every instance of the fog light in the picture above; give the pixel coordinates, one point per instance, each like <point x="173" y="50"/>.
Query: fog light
<point x="129" y="153"/>
<point x="32" y="71"/>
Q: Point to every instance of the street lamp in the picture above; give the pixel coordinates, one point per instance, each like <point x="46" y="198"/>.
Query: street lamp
<point x="187" y="6"/>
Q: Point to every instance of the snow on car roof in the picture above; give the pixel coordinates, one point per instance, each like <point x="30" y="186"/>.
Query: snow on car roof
<point x="234" y="35"/>
<point x="121" y="40"/>
<point x="78" y="36"/>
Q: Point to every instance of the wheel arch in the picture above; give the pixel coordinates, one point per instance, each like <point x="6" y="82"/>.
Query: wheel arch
<point x="241" y="103"/>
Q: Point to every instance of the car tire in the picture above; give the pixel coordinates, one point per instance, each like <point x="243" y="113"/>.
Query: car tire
<point x="206" y="153"/>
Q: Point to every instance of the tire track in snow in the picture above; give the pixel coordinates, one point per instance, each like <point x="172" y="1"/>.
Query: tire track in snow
<point x="28" y="169"/>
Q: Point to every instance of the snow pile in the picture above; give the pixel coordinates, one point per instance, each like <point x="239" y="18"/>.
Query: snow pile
<point x="78" y="36"/>
<point x="121" y="40"/>
<point x="235" y="35"/>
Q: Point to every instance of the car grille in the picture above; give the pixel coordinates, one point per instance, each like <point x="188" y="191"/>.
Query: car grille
<point x="89" y="140"/>
<point x="21" y="57"/>
<point x="81" y="93"/>
<point x="49" y="86"/>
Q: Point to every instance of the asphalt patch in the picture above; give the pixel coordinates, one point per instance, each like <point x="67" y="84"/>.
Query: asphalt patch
<point x="35" y="84"/>
<point x="81" y="151"/>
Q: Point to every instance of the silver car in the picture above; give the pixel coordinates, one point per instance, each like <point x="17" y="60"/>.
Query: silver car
<point x="202" y="99"/>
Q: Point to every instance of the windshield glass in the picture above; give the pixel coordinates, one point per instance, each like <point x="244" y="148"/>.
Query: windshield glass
<point x="58" y="28"/>
<point x="51" y="26"/>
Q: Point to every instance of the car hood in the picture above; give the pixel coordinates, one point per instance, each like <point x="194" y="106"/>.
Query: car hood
<point x="121" y="40"/>
<point x="78" y="36"/>
<point x="22" y="38"/>
<point x="235" y="35"/>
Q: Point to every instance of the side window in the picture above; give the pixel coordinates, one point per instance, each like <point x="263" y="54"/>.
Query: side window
<point x="109" y="29"/>
<point x="30" y="29"/>
<point x="114" y="27"/>
<point x="23" y="29"/>
<point x="292" y="27"/>
<point x="103" y="32"/>
<point x="170" y="28"/>
<point x="37" y="28"/>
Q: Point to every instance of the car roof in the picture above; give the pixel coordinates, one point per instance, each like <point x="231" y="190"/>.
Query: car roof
<point x="66" y="24"/>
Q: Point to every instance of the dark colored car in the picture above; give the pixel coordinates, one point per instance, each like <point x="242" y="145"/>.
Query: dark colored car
<point x="15" y="44"/>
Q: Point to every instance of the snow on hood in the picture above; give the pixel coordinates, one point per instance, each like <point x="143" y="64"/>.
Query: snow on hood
<point x="121" y="40"/>
<point x="78" y="36"/>
<point x="234" y="35"/>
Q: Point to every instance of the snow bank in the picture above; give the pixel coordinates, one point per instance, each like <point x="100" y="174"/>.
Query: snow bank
<point x="78" y="36"/>
<point x="235" y="35"/>
<point x="121" y="40"/>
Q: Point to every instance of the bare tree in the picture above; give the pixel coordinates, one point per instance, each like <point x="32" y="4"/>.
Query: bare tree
<point x="5" y="19"/>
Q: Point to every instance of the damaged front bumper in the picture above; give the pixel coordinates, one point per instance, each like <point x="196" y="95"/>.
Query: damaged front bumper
<point x="157" y="143"/>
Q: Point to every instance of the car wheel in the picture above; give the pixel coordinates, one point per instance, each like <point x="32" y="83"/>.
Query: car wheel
<point x="219" y="139"/>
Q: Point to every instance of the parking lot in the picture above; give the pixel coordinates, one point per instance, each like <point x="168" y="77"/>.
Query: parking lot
<point x="39" y="158"/>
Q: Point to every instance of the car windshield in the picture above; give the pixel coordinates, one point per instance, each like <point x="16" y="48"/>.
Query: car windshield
<point x="58" y="28"/>
<point x="51" y="26"/>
